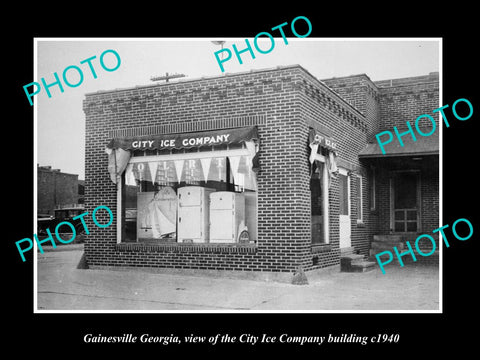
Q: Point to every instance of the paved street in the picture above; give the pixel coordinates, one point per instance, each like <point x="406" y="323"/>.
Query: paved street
<point x="61" y="286"/>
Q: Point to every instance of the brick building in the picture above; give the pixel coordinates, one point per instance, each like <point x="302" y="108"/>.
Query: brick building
<point x="266" y="170"/>
<point x="403" y="184"/>
<point x="55" y="188"/>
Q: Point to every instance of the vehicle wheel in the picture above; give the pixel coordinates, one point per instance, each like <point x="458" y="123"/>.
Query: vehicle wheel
<point x="80" y="230"/>
<point x="80" y="238"/>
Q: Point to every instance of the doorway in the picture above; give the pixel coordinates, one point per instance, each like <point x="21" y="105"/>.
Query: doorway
<point x="405" y="202"/>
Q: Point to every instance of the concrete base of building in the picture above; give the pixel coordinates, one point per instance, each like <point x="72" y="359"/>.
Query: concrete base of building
<point x="266" y="276"/>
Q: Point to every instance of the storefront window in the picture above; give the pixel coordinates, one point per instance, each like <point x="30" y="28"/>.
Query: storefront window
<point x="207" y="196"/>
<point x="343" y="194"/>
<point x="359" y="199"/>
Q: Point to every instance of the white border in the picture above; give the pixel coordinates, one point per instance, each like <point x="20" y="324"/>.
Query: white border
<point x="35" y="182"/>
<point x="35" y="144"/>
<point x="440" y="175"/>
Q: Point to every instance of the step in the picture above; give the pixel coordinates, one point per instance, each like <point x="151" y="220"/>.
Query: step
<point x="355" y="263"/>
<point x="388" y="237"/>
<point x="347" y="251"/>
<point x="373" y="252"/>
<point x="352" y="256"/>
<point x="363" y="266"/>
<point x="386" y="245"/>
<point x="347" y="260"/>
<point x="432" y="259"/>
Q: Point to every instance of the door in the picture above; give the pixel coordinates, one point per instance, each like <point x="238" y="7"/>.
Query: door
<point x="405" y="202"/>
<point x="344" y="198"/>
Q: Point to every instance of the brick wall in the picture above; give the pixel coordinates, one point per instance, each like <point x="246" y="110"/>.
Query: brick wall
<point x="329" y="112"/>
<point x="55" y="188"/>
<point x="404" y="100"/>
<point x="363" y="94"/>
<point x="264" y="99"/>
<point x="389" y="103"/>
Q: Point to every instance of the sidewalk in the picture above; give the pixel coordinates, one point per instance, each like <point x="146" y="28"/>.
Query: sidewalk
<point x="61" y="286"/>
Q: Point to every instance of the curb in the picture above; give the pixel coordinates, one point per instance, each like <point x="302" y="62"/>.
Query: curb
<point x="70" y="247"/>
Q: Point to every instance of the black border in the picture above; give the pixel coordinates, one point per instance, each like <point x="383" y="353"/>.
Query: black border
<point x="420" y="333"/>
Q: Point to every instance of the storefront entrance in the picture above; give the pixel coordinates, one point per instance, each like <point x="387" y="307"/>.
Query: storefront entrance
<point x="344" y="198"/>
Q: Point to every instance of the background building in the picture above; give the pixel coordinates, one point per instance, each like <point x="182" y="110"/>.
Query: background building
<point x="55" y="188"/>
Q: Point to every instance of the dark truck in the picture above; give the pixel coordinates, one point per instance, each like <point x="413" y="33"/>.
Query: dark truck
<point x="65" y="213"/>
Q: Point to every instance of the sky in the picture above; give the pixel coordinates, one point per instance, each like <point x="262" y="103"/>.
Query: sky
<point x="60" y="120"/>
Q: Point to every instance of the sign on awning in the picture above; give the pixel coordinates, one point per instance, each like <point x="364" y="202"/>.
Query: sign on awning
<point x="119" y="151"/>
<point x="317" y="138"/>
<point x="186" y="140"/>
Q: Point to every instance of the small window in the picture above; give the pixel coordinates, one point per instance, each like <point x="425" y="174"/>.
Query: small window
<point x="343" y="196"/>
<point x="371" y="189"/>
<point x="359" y="200"/>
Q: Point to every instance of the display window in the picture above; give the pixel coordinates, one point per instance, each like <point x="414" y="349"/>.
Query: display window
<point x="196" y="195"/>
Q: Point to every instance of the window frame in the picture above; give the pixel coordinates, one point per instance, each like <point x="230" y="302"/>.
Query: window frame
<point x="348" y="189"/>
<point x="372" y="189"/>
<point x="176" y="156"/>
<point x="359" y="199"/>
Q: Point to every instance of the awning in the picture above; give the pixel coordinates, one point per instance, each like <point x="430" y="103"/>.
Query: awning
<point x="427" y="145"/>
<point x="319" y="139"/>
<point x="119" y="150"/>
<point x="186" y="140"/>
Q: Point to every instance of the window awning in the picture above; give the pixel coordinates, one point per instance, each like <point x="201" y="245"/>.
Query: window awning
<point x="186" y="140"/>
<point x="427" y="145"/>
<point x="119" y="149"/>
<point x="317" y="138"/>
